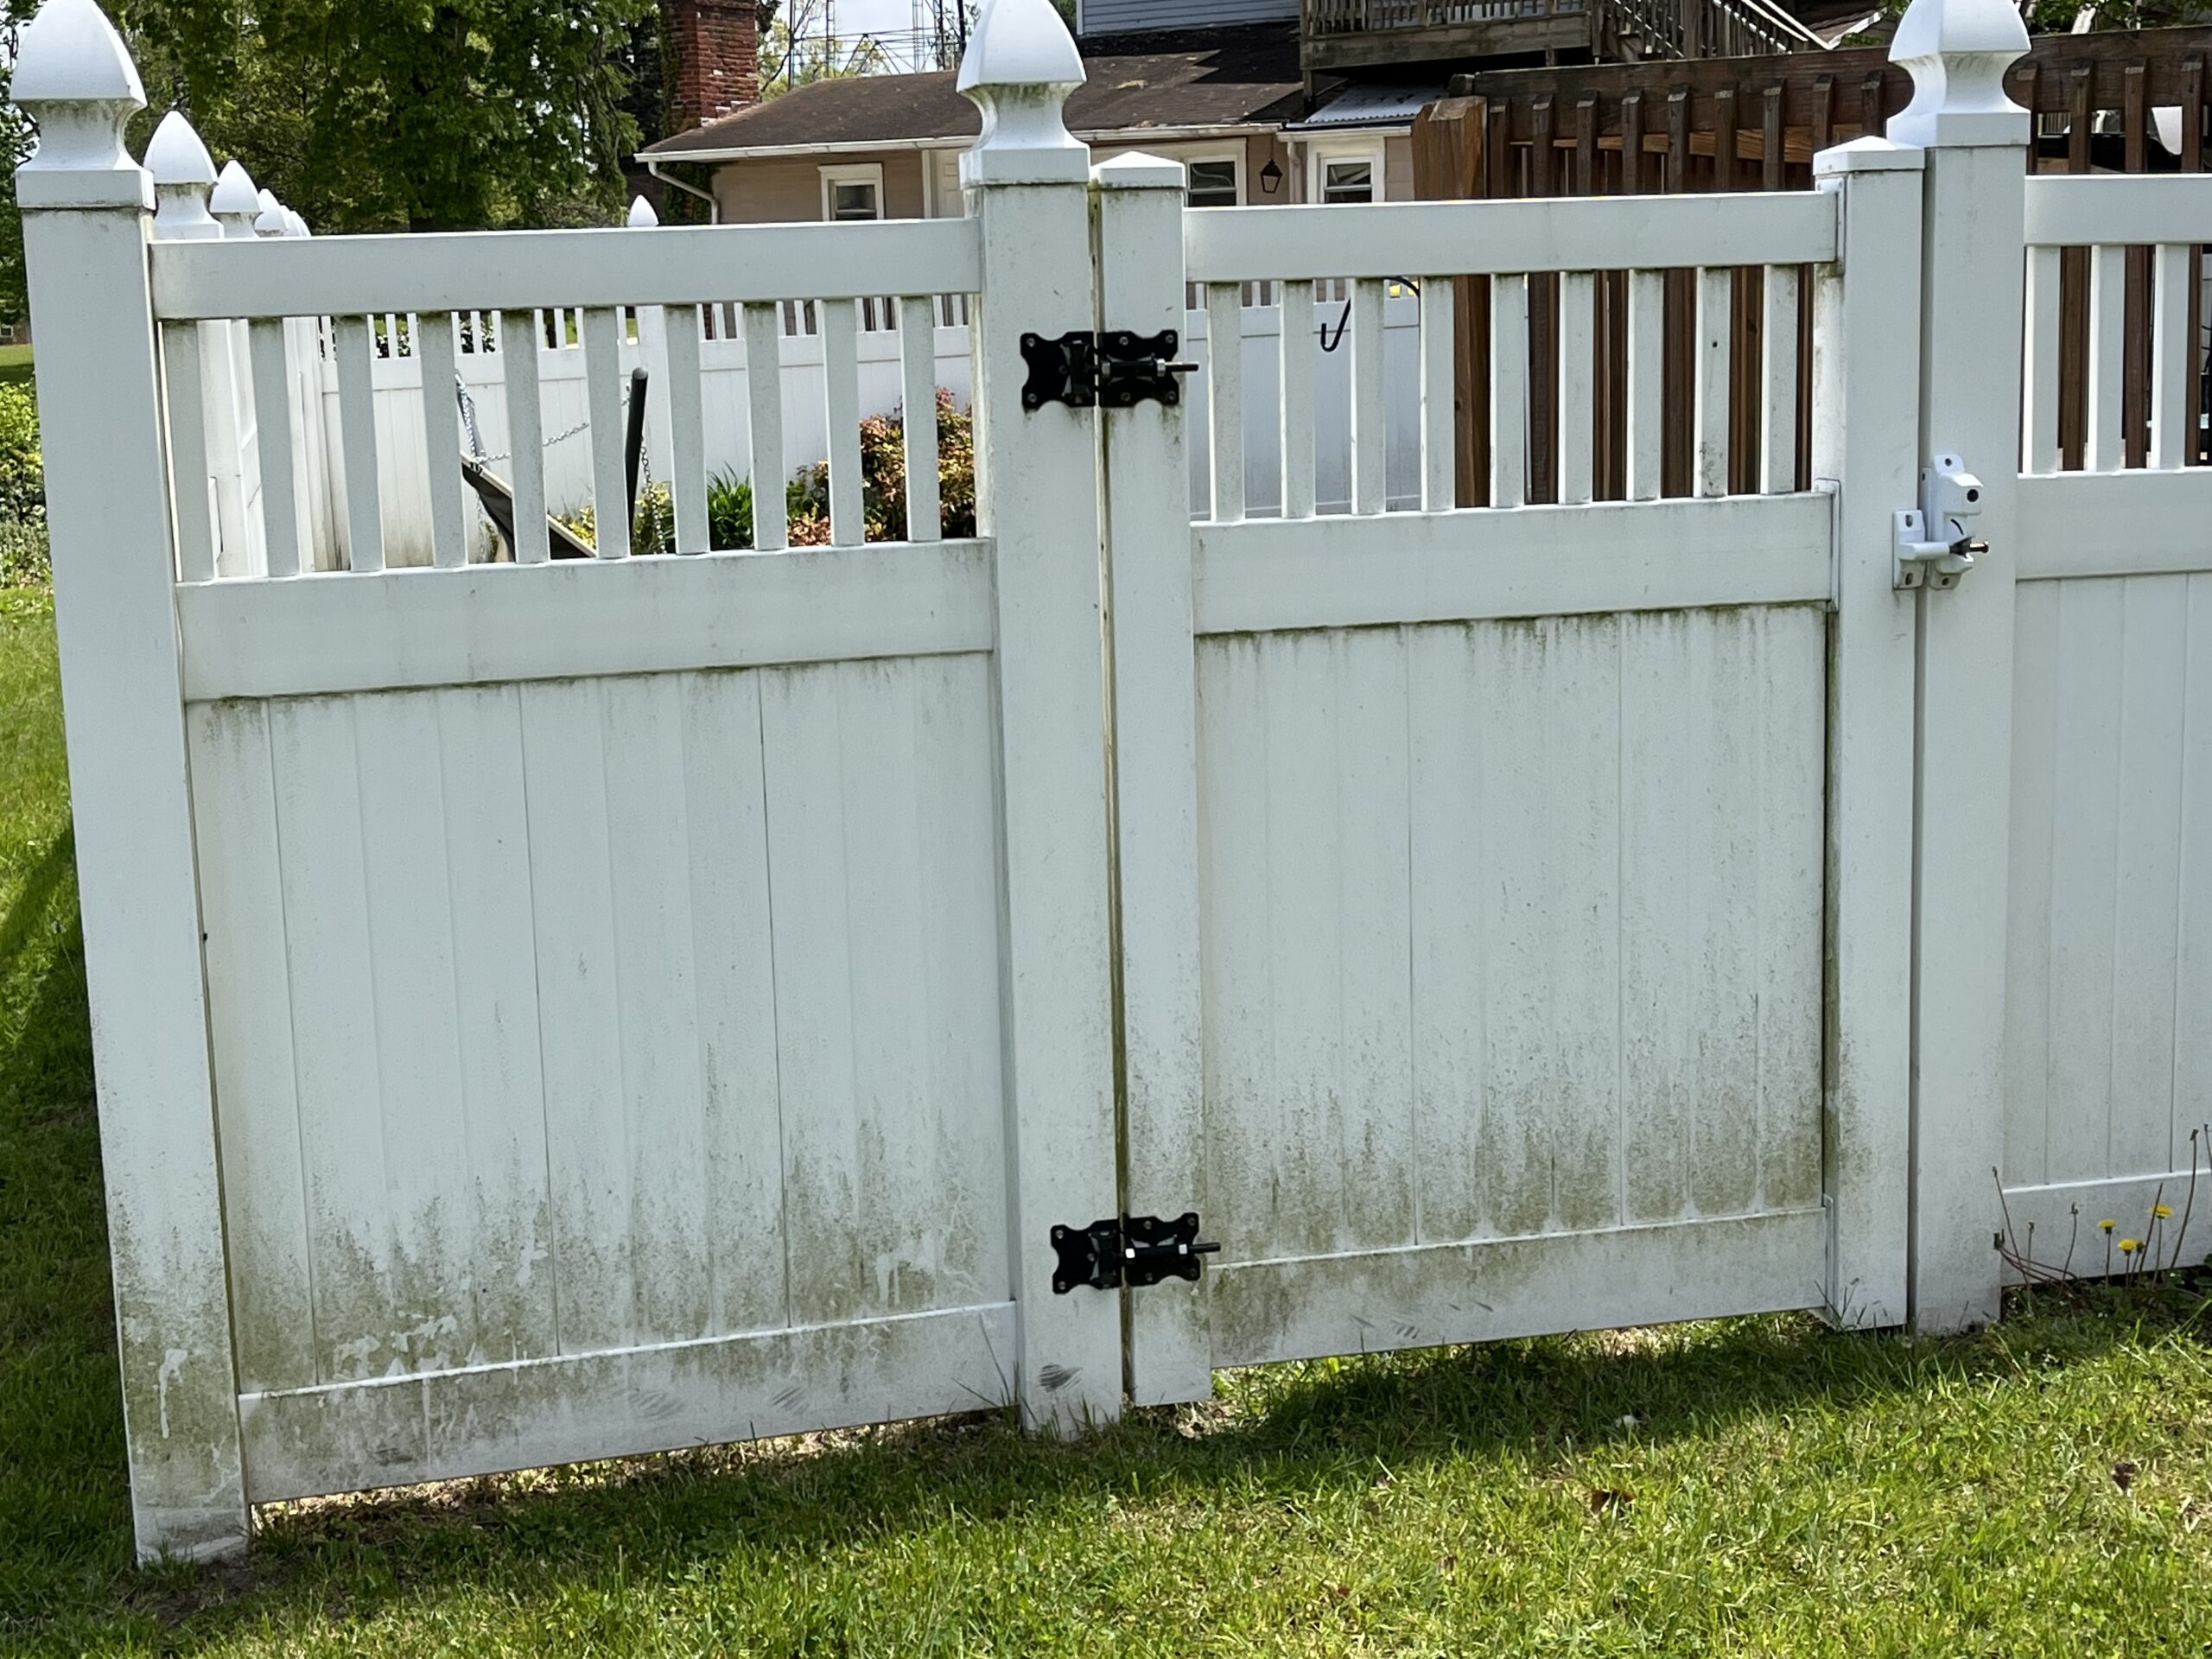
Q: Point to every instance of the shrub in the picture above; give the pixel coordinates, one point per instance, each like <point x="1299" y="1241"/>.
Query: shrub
<point x="23" y="554"/>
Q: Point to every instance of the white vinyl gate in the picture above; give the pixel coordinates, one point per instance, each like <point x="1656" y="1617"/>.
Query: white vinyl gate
<point x="559" y="1010"/>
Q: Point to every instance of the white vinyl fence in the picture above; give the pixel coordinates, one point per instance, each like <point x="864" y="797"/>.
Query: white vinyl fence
<point x="548" y="1011"/>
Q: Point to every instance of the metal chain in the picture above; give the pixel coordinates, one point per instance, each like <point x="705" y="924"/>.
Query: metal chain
<point x="476" y="443"/>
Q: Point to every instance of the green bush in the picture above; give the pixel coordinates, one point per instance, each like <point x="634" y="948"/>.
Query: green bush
<point x="23" y="555"/>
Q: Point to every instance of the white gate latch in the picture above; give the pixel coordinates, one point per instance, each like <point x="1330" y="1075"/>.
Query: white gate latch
<point x="1933" y="545"/>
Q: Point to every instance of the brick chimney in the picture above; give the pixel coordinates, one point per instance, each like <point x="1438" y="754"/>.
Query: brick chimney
<point x="714" y="50"/>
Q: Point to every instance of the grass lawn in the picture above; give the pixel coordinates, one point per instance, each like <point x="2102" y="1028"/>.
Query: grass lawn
<point x="16" y="364"/>
<point x="1757" y="1487"/>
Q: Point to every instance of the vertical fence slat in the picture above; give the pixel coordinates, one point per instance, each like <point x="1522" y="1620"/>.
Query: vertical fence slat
<point x="1508" y="391"/>
<point x="1779" y="381"/>
<point x="687" y="436"/>
<point x="188" y="473"/>
<point x="1225" y="401"/>
<point x="841" y="402"/>
<point x="1297" y="346"/>
<point x="357" y="430"/>
<point x="917" y="407"/>
<point x="603" y="386"/>
<point x="522" y="335"/>
<point x="2173" y="422"/>
<point x="1439" y="490"/>
<point x="272" y="426"/>
<point x="1577" y="291"/>
<point x="2107" y="358"/>
<point x="764" y="390"/>
<point x="441" y="438"/>
<point x="2040" y="418"/>
<point x="1709" y="375"/>
<point x="1647" y="362"/>
<point x="1368" y="482"/>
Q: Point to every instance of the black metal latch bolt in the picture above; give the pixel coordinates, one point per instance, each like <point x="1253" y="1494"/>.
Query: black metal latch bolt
<point x="1116" y="368"/>
<point x="1136" y="1250"/>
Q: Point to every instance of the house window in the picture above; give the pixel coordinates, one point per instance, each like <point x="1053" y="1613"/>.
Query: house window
<point x="1211" y="182"/>
<point x="852" y="193"/>
<point x="1348" y="180"/>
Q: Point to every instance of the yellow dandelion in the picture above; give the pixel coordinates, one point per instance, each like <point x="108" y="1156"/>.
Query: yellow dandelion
<point x="2162" y="1210"/>
<point x="2107" y="1225"/>
<point x="2129" y="1246"/>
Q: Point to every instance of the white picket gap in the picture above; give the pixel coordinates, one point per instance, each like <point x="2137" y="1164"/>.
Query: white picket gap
<point x="559" y="270"/>
<point x="1241" y="245"/>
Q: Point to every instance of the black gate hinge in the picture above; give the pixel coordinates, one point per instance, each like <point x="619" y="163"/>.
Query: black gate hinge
<point x="1136" y="1250"/>
<point x="1116" y="368"/>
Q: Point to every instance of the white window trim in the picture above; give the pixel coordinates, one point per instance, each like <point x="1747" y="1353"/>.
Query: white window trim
<point x="1233" y="154"/>
<point x="1365" y="147"/>
<point x="852" y="173"/>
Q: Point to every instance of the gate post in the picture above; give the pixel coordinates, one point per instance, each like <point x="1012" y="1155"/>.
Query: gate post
<point x="85" y="207"/>
<point x="1147" y="529"/>
<point x="1866" y="367"/>
<point x="1028" y="186"/>
<point x="1971" y="314"/>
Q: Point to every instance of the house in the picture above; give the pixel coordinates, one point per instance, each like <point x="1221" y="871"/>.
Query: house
<point x="1229" y="102"/>
<point x="1262" y="100"/>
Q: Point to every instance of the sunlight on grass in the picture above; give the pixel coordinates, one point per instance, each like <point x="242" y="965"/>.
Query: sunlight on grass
<point x="1755" y="1486"/>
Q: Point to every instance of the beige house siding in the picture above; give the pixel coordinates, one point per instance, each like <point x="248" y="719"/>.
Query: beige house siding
<point x="783" y="188"/>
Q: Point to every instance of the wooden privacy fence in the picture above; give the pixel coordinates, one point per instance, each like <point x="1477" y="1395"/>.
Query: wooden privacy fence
<point x="2114" y="102"/>
<point x="558" y="1011"/>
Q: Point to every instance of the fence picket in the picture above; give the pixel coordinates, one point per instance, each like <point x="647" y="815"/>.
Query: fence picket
<point x="2039" y="415"/>
<point x="523" y="331"/>
<point x="1716" y="291"/>
<point x="764" y="392"/>
<point x="2173" y="425"/>
<point x="272" y="399"/>
<point x="1577" y="368"/>
<point x="1370" y="481"/>
<point x="1778" y="380"/>
<point x="1225" y="399"/>
<point x="1438" y="342"/>
<point x="917" y="410"/>
<point x="1508" y="391"/>
<point x="354" y="349"/>
<point x="434" y="345"/>
<point x="687" y="439"/>
<point x="1296" y="345"/>
<point x="605" y="387"/>
<point x="188" y="416"/>
<point x="2107" y="440"/>
<point x="1646" y="338"/>
<point x="840" y="372"/>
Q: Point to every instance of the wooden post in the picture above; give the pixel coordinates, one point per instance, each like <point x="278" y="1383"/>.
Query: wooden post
<point x="1866" y="367"/>
<point x="1972" y="301"/>
<point x="84" y="206"/>
<point x="1028" y="186"/>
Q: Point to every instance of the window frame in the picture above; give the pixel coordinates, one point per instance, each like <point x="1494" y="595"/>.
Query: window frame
<point x="1233" y="154"/>
<point x="1320" y="152"/>
<point x="867" y="173"/>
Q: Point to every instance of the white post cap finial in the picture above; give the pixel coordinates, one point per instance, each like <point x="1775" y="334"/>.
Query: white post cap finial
<point x="183" y="172"/>
<point x="1956" y="52"/>
<point x="296" y="223"/>
<point x="76" y="79"/>
<point x="1020" y="65"/>
<point x="235" y="202"/>
<point x="642" y="217"/>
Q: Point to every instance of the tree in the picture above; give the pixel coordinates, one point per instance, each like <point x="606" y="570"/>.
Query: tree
<point x="405" y="114"/>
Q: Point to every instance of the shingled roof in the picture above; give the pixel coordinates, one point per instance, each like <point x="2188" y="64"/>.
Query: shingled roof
<point x="1210" y="77"/>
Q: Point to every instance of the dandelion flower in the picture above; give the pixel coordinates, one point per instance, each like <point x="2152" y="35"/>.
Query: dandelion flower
<point x="2162" y="1210"/>
<point x="2129" y="1246"/>
<point x="2106" y="1225"/>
